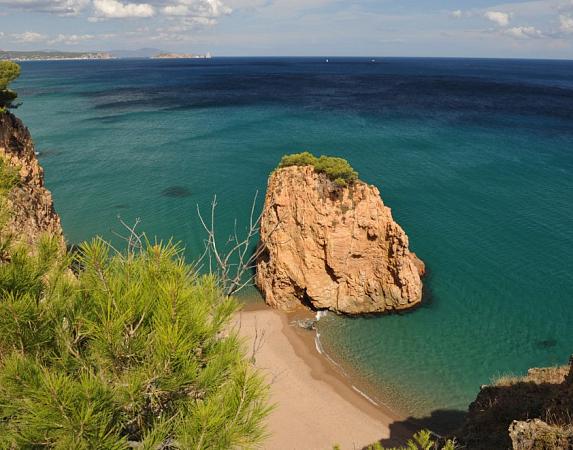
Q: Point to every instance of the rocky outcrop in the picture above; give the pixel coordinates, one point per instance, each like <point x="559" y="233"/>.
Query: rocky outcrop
<point x="530" y="412"/>
<point x="537" y="435"/>
<point x="333" y="247"/>
<point x="30" y="203"/>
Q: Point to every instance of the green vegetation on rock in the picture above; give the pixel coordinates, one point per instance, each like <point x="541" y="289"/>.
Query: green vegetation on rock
<point x="135" y="350"/>
<point x="9" y="177"/>
<point x="336" y="169"/>
<point x="9" y="71"/>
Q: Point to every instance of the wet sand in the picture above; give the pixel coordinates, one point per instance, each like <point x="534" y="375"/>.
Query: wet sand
<point x="316" y="406"/>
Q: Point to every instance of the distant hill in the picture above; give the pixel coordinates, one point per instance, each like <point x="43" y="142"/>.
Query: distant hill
<point x="51" y="55"/>
<point x="61" y="55"/>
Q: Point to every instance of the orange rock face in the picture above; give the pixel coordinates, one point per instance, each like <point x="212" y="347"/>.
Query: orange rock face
<point x="333" y="248"/>
<point x="32" y="210"/>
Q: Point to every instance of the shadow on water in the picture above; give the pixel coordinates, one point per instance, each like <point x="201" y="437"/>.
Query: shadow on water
<point x="428" y="297"/>
<point x="443" y="422"/>
<point x="429" y="300"/>
<point x="176" y="192"/>
<point x="546" y="343"/>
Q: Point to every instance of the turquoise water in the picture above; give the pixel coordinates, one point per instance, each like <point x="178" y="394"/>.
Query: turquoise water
<point x="475" y="158"/>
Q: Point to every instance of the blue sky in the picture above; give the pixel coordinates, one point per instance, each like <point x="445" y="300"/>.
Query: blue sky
<point x="480" y="28"/>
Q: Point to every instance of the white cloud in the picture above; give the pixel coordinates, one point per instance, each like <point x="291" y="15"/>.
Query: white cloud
<point x="113" y="9"/>
<point x="71" y="39"/>
<point x="31" y="37"/>
<point x="498" y="17"/>
<point x="176" y="10"/>
<point x="125" y="8"/>
<point x="566" y="23"/>
<point x="196" y="8"/>
<point x="28" y="37"/>
<point x="62" y="7"/>
<point x="524" y="33"/>
<point x="200" y="11"/>
<point x="457" y="14"/>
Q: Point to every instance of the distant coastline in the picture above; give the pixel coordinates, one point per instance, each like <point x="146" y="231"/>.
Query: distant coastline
<point x="53" y="56"/>
<point x="97" y="55"/>
<point x="181" y="56"/>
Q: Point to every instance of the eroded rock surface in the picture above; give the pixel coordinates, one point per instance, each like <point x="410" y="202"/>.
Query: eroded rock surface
<point x="31" y="207"/>
<point x="535" y="434"/>
<point x="335" y="248"/>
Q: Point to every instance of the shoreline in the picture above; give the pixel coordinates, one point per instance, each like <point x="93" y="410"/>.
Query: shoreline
<point x="317" y="406"/>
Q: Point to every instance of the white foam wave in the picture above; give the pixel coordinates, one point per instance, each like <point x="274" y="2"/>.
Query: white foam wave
<point x="318" y="344"/>
<point x="371" y="400"/>
<point x="321" y="351"/>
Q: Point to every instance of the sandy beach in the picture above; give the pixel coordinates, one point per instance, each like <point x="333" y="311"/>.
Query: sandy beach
<point x="316" y="407"/>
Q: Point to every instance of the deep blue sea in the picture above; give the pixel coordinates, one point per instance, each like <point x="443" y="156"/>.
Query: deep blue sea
<point x="474" y="156"/>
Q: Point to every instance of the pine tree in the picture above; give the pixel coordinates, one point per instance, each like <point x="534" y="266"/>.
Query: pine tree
<point x="9" y="71"/>
<point x="136" y="350"/>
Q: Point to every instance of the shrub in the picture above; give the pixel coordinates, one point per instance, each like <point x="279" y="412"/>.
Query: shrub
<point x="420" y="441"/>
<point x="9" y="71"/>
<point x="336" y="169"/>
<point x="298" y="159"/>
<point x="9" y="176"/>
<point x="134" y="352"/>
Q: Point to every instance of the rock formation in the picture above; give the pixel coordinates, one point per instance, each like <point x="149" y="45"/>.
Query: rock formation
<point x="333" y="247"/>
<point x="31" y="208"/>
<point x="535" y="434"/>
<point x="523" y="413"/>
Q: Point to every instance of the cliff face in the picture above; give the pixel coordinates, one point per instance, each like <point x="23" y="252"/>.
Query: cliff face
<point x="31" y="207"/>
<point x="333" y="248"/>
<point x="523" y="413"/>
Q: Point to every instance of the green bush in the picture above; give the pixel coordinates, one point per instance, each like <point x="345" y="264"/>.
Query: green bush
<point x="298" y="159"/>
<point x="336" y="169"/>
<point x="136" y="351"/>
<point x="9" y="71"/>
<point x="9" y="177"/>
<point x="420" y="441"/>
<point x="7" y="96"/>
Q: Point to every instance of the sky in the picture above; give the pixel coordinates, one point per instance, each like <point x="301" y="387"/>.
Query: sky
<point x="474" y="28"/>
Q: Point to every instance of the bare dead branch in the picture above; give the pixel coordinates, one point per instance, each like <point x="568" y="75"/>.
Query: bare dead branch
<point x="231" y="262"/>
<point x="133" y="238"/>
<point x="258" y="342"/>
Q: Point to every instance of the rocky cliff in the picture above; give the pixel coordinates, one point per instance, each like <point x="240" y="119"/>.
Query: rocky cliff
<point x="29" y="203"/>
<point x="333" y="247"/>
<point x="534" y="412"/>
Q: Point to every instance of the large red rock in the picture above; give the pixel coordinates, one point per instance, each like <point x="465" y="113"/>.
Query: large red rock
<point x="332" y="247"/>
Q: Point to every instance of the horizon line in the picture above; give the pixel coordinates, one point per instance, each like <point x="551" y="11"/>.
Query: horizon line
<point x="517" y="58"/>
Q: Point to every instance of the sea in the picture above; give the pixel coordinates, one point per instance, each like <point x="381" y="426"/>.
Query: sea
<point x="473" y="156"/>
